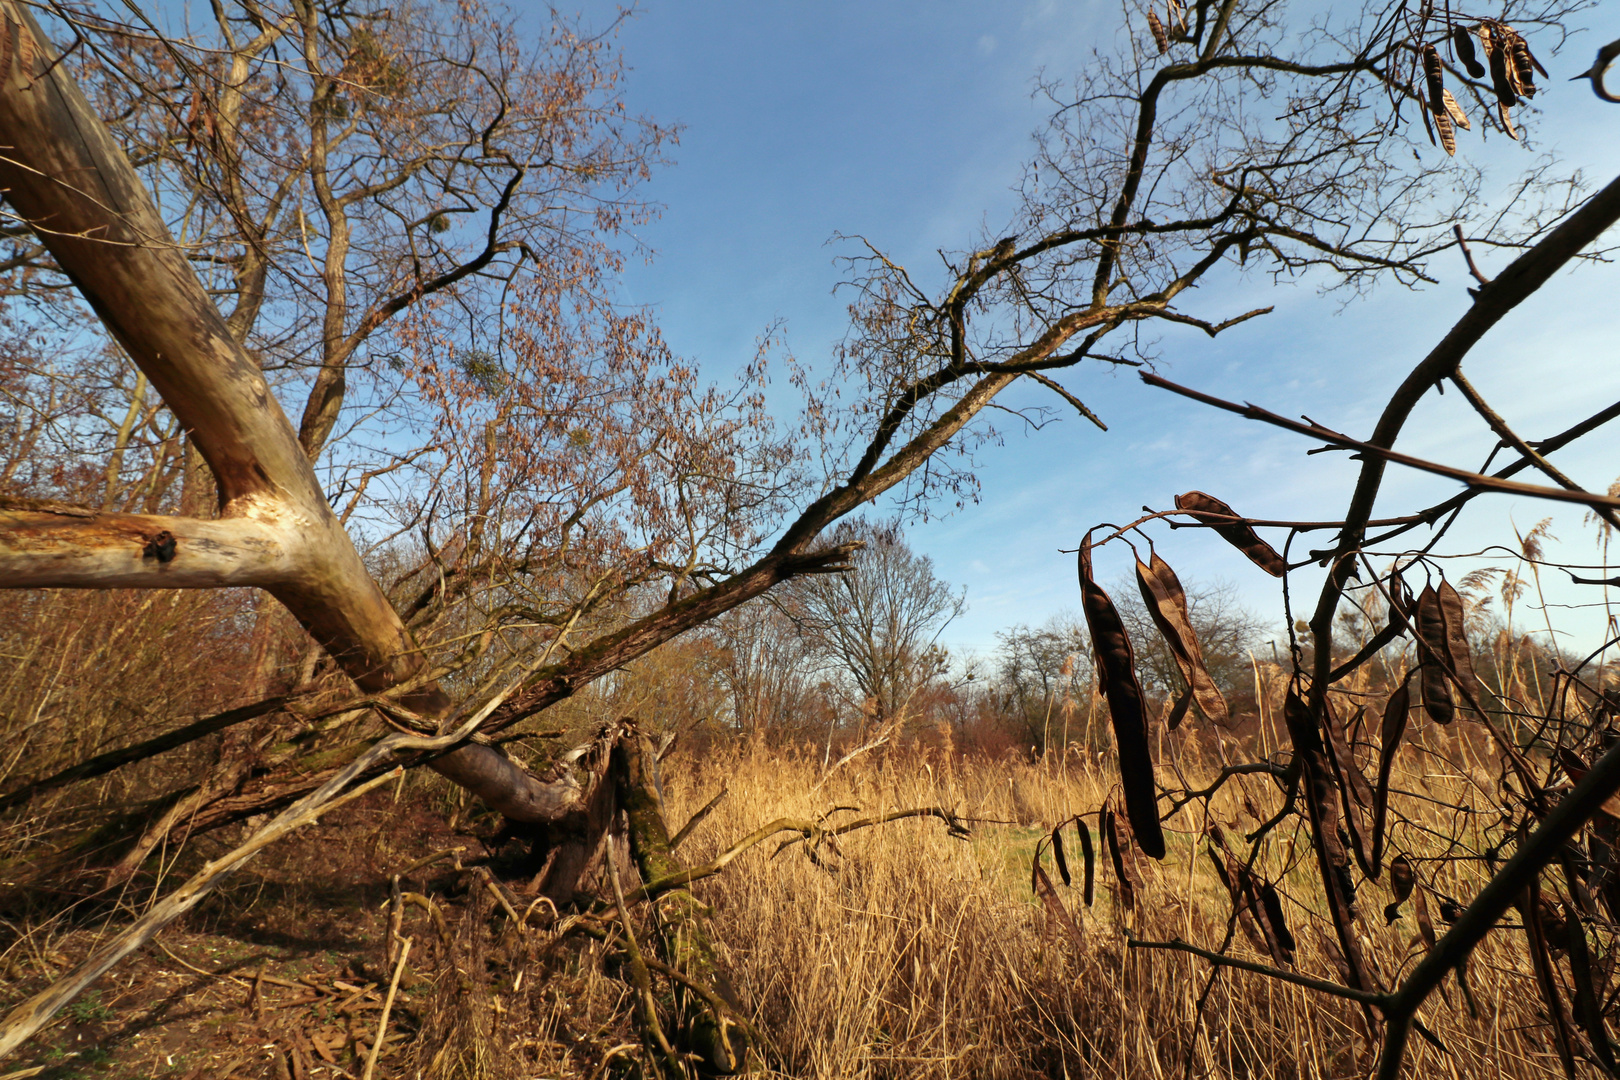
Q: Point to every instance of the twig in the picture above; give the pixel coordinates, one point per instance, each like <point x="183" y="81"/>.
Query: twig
<point x="488" y="879"/>
<point x="1500" y="426"/>
<point x="388" y="1005"/>
<point x="1365" y="997"/>
<point x="1343" y="441"/>
<point x="697" y="819"/>
<point x="1469" y="255"/>
<point x="428" y="859"/>
<point x="102" y="764"/>
<point x="1079" y="406"/>
<point x="193" y="967"/>
<point x="805" y="829"/>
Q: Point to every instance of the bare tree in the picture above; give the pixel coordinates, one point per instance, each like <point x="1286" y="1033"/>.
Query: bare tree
<point x="769" y="669"/>
<point x="878" y="623"/>
<point x="1044" y="673"/>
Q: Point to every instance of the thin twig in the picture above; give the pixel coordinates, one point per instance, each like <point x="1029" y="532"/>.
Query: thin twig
<point x="1343" y="441"/>
<point x="388" y="1005"/>
<point x="1365" y="997"/>
<point x="1469" y="255"/>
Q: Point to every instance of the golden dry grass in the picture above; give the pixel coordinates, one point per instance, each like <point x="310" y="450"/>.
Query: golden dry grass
<point x="918" y="955"/>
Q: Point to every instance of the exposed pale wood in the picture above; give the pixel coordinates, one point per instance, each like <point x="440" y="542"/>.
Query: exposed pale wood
<point x="63" y="172"/>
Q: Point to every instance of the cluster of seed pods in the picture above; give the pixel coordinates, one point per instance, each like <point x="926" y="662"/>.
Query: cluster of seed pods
<point x="1509" y="64"/>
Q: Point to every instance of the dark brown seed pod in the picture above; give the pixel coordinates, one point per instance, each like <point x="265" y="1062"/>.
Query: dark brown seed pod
<point x="1355" y="794"/>
<point x="1401" y="880"/>
<point x="1434" y="73"/>
<point x="1238" y="533"/>
<point x="1420" y="908"/>
<point x="1166" y="603"/>
<point x="1116" y="667"/>
<point x="1349" y="775"/>
<point x="1178" y="710"/>
<point x="1054" y="906"/>
<point x="1248" y="899"/>
<point x="1111" y="829"/>
<point x="1463" y="42"/>
<point x="1455" y="111"/>
<point x="1160" y="38"/>
<point x="1531" y="906"/>
<point x="1524" y="67"/>
<point x="1271" y="904"/>
<point x="1087" y="854"/>
<point x="1588" y="1008"/>
<point x="1506" y="118"/>
<point x="1394" y="726"/>
<point x="1434" y="687"/>
<point x="1458" y="655"/>
<point x="1501" y="77"/>
<point x="1057" y="854"/>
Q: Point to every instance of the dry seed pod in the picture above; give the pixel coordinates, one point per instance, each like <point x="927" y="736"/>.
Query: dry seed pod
<point x="1054" y="906"/>
<point x="1111" y="829"/>
<point x="1448" y="135"/>
<point x="1166" y="603"/>
<point x="1160" y="38"/>
<point x="1588" y="1007"/>
<point x="1088" y="854"/>
<point x="1501" y="80"/>
<point x="1116" y="669"/>
<point x="1178" y="710"/>
<point x="1455" y="111"/>
<point x="1486" y="37"/>
<point x="1394" y="726"/>
<point x="1458" y="653"/>
<point x="1401" y="877"/>
<point x="1057" y="853"/>
<point x="1463" y="42"/>
<point x="1506" y="118"/>
<point x="1271" y="904"/>
<point x="1523" y="66"/>
<point x="1346" y="772"/>
<point x="1238" y="533"/>
<point x="1401" y="880"/>
<point x="1531" y="908"/>
<point x="1425" y="924"/>
<point x="1434" y="687"/>
<point x="1177" y="16"/>
<point x="1355" y="794"/>
<point x="1435" y="75"/>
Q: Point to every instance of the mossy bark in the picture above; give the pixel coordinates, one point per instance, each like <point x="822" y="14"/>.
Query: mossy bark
<point x="681" y="918"/>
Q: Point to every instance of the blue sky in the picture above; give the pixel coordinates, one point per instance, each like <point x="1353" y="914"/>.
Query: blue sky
<point x="908" y="123"/>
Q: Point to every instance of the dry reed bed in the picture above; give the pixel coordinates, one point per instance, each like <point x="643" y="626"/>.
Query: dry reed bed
<point x="914" y="954"/>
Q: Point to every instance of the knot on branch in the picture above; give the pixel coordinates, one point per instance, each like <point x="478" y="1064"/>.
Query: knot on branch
<point x="159" y="546"/>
